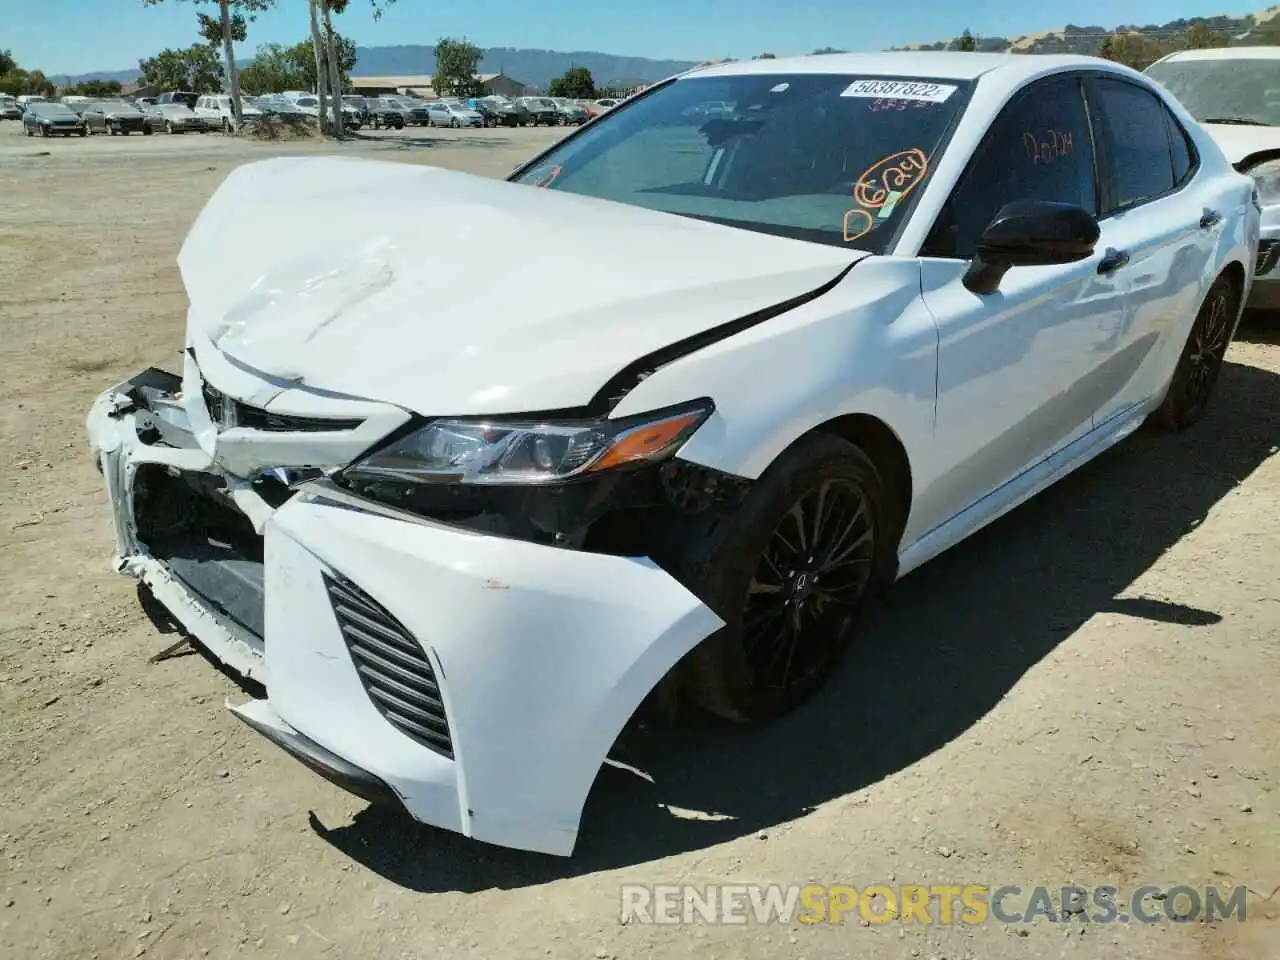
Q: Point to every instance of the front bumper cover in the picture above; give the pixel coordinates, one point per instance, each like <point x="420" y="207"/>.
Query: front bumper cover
<point x="541" y="654"/>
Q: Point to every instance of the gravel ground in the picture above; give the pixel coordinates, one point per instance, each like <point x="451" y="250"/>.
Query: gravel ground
<point x="1083" y="693"/>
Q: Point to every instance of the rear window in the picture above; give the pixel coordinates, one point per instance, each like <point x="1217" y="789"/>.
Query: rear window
<point x="833" y="159"/>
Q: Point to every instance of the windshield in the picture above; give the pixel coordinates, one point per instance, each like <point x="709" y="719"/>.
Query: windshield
<point x="51" y="109"/>
<point x="829" y="159"/>
<point x="1234" y="89"/>
<point x="117" y="106"/>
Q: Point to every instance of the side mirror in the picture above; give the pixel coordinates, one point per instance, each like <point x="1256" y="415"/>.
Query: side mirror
<point x="1030" y="233"/>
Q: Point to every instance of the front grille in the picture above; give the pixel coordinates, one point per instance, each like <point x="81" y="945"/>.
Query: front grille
<point x="229" y="412"/>
<point x="1268" y="253"/>
<point x="393" y="667"/>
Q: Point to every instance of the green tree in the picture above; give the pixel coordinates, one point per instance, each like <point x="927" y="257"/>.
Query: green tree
<point x="1200" y="36"/>
<point x="274" y="69"/>
<point x="93" y="88"/>
<point x="196" y="69"/>
<point x="457" y="63"/>
<point x="764" y="56"/>
<point x="576" y="84"/>
<point x="302" y="56"/>
<point x="1106" y="49"/>
<point x="210" y="29"/>
<point x="829" y="50"/>
<point x="966" y="43"/>
<point x="1134" y="50"/>
<point x="17" y="82"/>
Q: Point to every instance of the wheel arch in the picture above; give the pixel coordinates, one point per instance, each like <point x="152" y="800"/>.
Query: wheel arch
<point x="1235" y="273"/>
<point x="881" y="443"/>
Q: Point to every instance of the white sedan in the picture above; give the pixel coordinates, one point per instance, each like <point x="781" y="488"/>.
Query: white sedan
<point x="839" y="313"/>
<point x="1235" y="93"/>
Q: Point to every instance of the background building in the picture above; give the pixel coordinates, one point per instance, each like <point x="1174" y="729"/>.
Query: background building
<point x="421" y="85"/>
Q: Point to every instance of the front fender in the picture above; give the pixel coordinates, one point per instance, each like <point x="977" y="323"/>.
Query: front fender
<point x="867" y="346"/>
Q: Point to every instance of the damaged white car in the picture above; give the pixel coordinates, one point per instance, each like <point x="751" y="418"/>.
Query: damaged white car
<point x="833" y="315"/>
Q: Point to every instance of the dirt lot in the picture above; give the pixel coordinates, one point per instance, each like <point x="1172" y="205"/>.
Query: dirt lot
<point x="1085" y="693"/>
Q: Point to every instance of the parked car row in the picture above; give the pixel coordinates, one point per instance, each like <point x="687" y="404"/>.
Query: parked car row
<point x="182" y="111"/>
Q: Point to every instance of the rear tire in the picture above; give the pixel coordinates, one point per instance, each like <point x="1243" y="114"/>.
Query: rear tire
<point x="1196" y="374"/>
<point x="789" y="571"/>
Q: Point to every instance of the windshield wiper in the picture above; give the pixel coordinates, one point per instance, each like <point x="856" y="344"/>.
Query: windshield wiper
<point x="1241" y="121"/>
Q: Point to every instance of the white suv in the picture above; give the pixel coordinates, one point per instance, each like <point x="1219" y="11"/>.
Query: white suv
<point x="217" y="108"/>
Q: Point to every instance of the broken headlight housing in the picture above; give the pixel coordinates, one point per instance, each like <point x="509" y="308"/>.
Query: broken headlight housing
<point x="527" y="452"/>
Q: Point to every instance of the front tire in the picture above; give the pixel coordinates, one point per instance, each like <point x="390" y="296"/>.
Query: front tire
<point x="789" y="571"/>
<point x="1196" y="375"/>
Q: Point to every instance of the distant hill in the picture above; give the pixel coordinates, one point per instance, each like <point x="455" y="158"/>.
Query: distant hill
<point x="537" y="68"/>
<point x="1234" y="31"/>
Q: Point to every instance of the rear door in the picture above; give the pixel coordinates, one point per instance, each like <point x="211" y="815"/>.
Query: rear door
<point x="1162" y="220"/>
<point x="1016" y="367"/>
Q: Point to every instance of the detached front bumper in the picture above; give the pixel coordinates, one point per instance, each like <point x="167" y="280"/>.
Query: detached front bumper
<point x="477" y="681"/>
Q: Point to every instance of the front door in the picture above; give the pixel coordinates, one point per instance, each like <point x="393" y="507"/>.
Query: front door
<point x="1017" y="367"/>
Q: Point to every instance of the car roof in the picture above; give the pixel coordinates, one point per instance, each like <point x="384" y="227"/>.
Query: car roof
<point x="1225" y="53"/>
<point x="940" y="65"/>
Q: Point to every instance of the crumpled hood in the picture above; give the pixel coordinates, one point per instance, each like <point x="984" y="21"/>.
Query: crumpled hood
<point x="448" y="293"/>
<point x="1239" y="141"/>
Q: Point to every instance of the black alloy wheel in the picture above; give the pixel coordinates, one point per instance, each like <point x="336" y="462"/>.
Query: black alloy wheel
<point x="807" y="581"/>
<point x="789" y="571"/>
<point x="1200" y="364"/>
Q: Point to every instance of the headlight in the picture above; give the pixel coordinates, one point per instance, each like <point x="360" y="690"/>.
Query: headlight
<point x="1267" y="177"/>
<point x="528" y="452"/>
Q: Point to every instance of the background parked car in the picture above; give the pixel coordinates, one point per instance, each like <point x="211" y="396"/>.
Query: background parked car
<point x="185" y="97"/>
<point x="115" y="117"/>
<point x="48" y="119"/>
<point x="541" y="110"/>
<point x="176" y="118"/>
<point x="498" y="114"/>
<point x="384" y="112"/>
<point x="9" y="109"/>
<point x="310" y="104"/>
<point x="217" y="109"/>
<point x="600" y="106"/>
<point x="442" y="114"/>
<point x="415" y="110"/>
<point x="569" y="113"/>
<point x="358" y="105"/>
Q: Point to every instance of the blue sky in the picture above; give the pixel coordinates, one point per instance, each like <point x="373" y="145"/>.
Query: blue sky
<point x="76" y="36"/>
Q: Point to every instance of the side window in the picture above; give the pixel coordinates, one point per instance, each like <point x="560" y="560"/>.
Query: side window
<point x="1038" y="148"/>
<point x="1133" y="134"/>
<point x="1181" y="147"/>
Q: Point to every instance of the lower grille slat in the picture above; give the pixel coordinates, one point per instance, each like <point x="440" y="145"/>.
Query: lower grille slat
<point x="392" y="665"/>
<point x="396" y="674"/>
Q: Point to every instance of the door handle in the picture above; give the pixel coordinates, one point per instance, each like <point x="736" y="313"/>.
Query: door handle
<point x="1112" y="260"/>
<point x="1209" y="219"/>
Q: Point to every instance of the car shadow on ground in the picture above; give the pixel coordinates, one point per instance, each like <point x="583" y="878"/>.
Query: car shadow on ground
<point x="1259" y="327"/>
<point x="948" y="643"/>
<point x="405" y="138"/>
